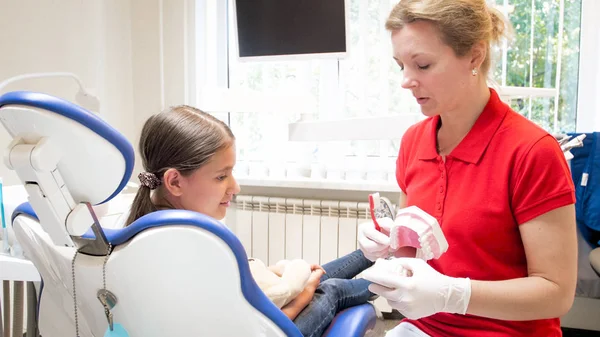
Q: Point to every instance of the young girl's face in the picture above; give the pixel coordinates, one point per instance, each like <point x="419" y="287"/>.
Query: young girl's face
<point x="209" y="189"/>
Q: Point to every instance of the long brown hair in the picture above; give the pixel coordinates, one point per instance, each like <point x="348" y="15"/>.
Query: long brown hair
<point x="183" y="138"/>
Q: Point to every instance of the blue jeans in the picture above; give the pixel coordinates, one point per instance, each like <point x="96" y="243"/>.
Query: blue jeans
<point x="336" y="292"/>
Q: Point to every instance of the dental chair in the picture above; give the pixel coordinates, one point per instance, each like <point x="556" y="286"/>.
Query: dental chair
<point x="170" y="273"/>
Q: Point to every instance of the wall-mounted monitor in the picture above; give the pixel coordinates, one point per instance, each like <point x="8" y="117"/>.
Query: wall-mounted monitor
<point x="290" y="29"/>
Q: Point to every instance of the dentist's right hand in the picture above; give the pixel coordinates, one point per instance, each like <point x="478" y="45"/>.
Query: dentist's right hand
<point x="416" y="290"/>
<point x="373" y="243"/>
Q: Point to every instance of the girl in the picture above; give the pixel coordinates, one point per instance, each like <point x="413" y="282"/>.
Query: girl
<point x="188" y="158"/>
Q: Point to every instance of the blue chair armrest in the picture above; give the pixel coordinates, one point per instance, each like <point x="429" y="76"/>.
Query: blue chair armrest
<point x="352" y="322"/>
<point x="24" y="208"/>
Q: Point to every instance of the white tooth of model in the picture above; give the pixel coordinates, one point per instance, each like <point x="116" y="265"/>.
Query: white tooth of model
<point x="416" y="228"/>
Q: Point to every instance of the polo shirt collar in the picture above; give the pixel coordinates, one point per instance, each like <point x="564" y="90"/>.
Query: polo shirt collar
<point x="472" y="147"/>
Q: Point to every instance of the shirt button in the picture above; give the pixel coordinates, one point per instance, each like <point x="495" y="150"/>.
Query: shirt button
<point x="442" y="175"/>
<point x="441" y="189"/>
<point x="439" y="206"/>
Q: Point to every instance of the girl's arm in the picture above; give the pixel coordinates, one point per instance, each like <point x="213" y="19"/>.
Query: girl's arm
<point x="295" y="307"/>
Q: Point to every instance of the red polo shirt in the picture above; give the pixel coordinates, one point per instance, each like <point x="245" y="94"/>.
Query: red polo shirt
<point x="505" y="172"/>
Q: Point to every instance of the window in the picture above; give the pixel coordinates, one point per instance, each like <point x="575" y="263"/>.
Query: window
<point x="365" y="83"/>
<point x="543" y="55"/>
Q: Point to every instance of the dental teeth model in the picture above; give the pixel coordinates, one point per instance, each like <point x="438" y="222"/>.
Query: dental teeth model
<point x="414" y="227"/>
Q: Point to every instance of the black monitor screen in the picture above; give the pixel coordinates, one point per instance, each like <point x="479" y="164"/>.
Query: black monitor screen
<point x="290" y="27"/>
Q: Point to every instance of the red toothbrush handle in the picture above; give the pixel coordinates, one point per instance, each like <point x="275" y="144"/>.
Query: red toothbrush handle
<point x="372" y="209"/>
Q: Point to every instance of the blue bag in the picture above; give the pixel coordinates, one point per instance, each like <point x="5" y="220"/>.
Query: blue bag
<point x="585" y="170"/>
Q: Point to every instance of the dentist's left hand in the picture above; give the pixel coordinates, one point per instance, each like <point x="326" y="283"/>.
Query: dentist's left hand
<point x="373" y="243"/>
<point x="423" y="292"/>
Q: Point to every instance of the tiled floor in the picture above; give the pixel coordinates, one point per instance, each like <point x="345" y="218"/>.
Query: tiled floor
<point x="381" y="327"/>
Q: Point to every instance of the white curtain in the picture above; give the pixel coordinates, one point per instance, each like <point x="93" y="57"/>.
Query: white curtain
<point x="588" y="106"/>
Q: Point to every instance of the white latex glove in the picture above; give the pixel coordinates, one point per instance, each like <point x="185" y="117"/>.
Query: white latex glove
<point x="416" y="290"/>
<point x="373" y="243"/>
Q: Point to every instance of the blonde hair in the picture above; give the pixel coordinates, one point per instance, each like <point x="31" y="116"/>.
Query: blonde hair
<point x="462" y="23"/>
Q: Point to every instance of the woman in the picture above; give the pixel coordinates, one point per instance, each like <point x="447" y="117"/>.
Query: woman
<point x="498" y="185"/>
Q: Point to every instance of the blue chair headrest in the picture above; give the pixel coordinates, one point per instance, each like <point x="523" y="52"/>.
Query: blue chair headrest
<point x="97" y="160"/>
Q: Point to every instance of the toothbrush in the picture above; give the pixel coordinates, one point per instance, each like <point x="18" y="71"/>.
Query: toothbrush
<point x="5" y="247"/>
<point x="374" y="200"/>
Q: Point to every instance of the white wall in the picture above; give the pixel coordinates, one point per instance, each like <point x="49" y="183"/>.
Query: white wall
<point x="145" y="42"/>
<point x="133" y="53"/>
<point x="161" y="33"/>
<point x="89" y="38"/>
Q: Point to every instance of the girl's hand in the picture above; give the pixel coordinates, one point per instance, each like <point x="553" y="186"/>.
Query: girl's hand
<point x="314" y="279"/>
<point x="314" y="267"/>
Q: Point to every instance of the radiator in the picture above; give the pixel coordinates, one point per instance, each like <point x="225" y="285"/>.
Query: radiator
<point x="318" y="231"/>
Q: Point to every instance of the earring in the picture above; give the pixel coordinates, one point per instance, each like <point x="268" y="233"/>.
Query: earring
<point x="474" y="71"/>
